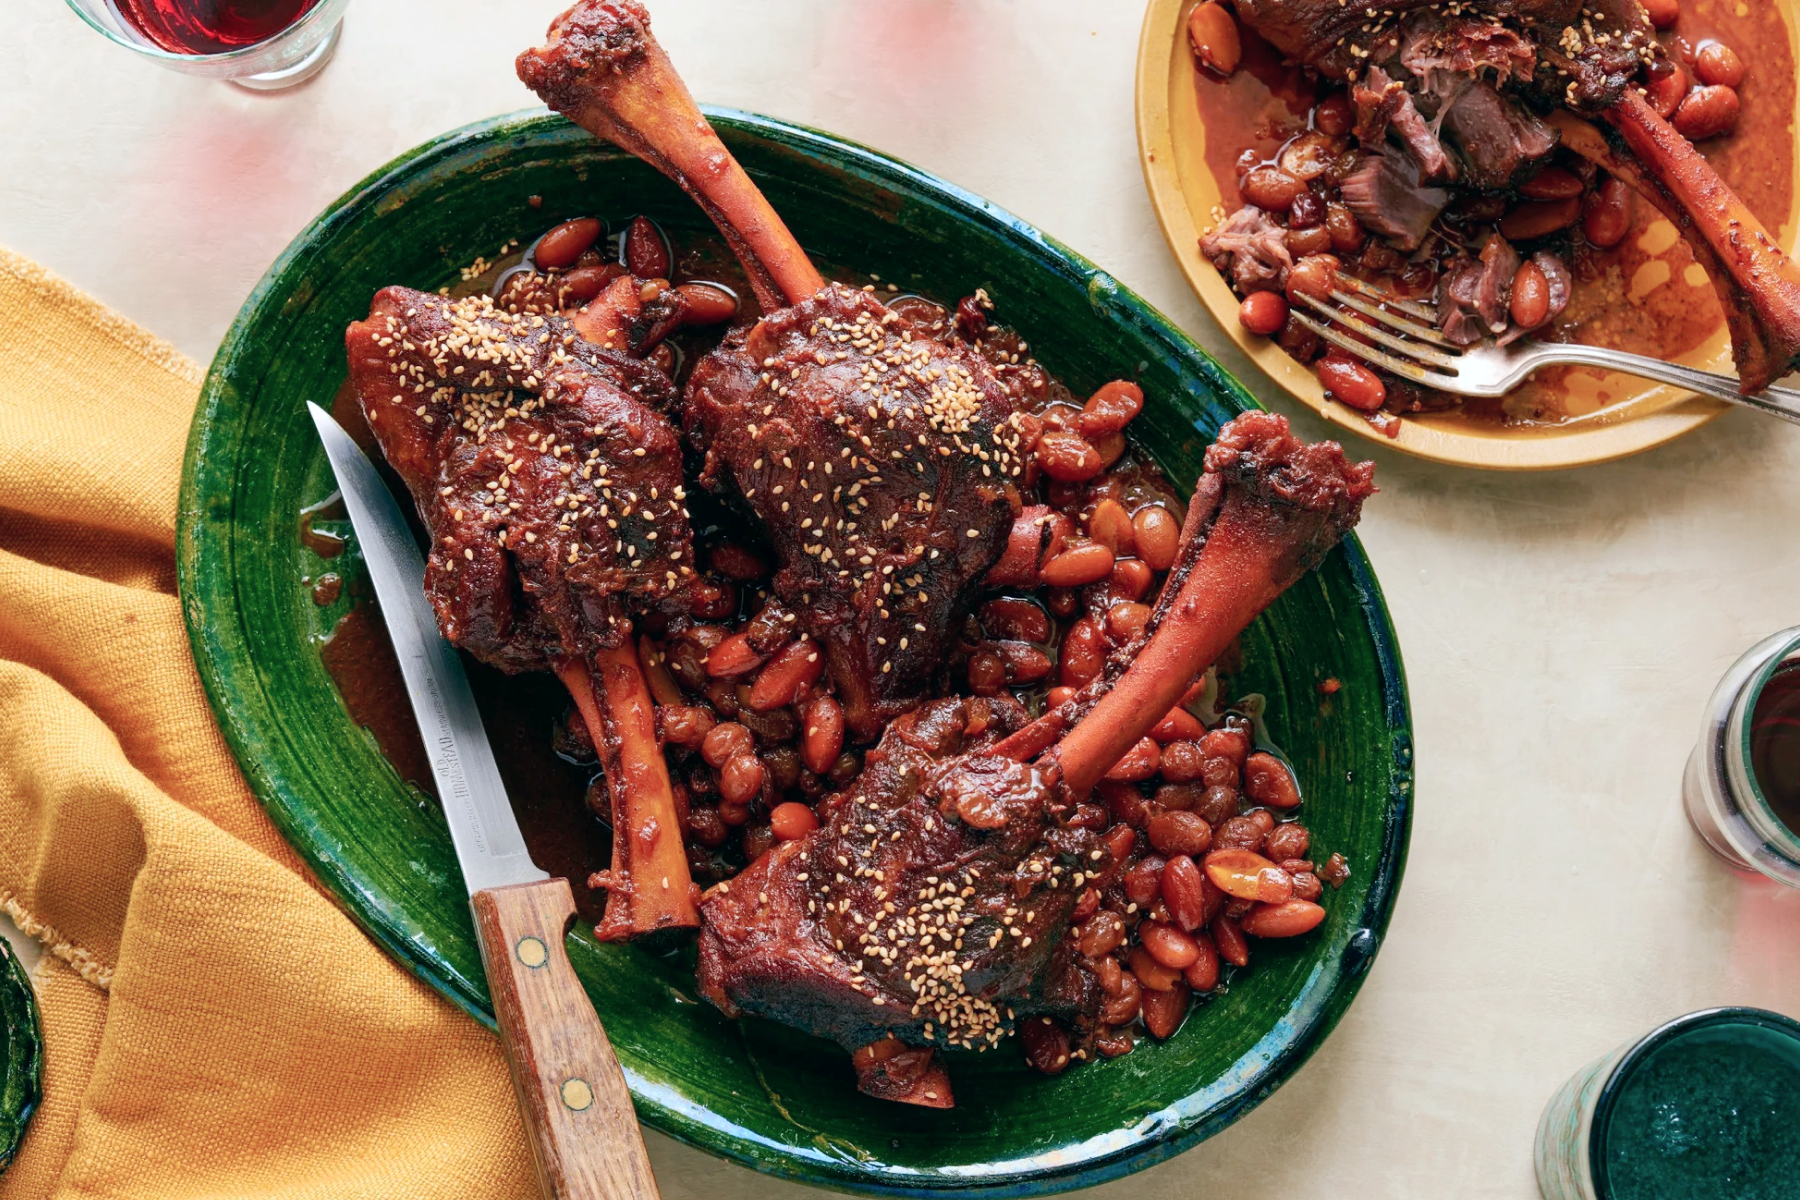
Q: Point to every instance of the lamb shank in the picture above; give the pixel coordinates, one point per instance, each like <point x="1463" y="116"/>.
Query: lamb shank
<point x="1503" y="82"/>
<point x="881" y="456"/>
<point x="550" y="484"/>
<point x="929" y="907"/>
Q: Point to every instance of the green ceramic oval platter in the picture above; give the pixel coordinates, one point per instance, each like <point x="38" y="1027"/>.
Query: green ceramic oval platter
<point x="749" y="1090"/>
<point x="21" y="1055"/>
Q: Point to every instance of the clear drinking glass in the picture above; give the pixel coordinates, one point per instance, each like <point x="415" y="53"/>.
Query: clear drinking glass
<point x="1705" y="1107"/>
<point x="1724" y="802"/>
<point x="290" y="54"/>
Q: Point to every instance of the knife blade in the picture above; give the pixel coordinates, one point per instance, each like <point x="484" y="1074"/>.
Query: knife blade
<point x="489" y="845"/>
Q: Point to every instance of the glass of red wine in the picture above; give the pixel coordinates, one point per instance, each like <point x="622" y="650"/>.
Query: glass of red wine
<point x="259" y="44"/>
<point x="1742" y="787"/>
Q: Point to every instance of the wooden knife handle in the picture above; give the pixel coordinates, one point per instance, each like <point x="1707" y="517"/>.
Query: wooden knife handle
<point x="584" y="1134"/>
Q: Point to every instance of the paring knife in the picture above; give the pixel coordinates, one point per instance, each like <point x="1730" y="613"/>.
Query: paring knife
<point x="584" y="1135"/>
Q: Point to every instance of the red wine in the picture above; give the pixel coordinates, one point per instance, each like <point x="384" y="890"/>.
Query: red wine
<point x="211" y="26"/>
<point x="1775" y="744"/>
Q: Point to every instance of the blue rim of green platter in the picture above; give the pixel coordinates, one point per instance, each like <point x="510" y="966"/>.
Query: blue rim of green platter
<point x="247" y="472"/>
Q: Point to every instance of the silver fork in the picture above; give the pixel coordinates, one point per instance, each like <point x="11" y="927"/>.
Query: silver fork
<point x="1426" y="356"/>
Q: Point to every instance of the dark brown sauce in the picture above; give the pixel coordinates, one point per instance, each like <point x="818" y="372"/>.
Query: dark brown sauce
<point x="322" y="542"/>
<point x="1775" y="744"/>
<point x="1648" y="297"/>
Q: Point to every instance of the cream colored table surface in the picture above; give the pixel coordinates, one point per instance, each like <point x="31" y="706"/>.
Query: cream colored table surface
<point x="1560" y="631"/>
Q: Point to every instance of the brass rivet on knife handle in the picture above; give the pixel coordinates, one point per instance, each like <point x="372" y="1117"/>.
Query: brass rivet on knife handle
<point x="584" y="1134"/>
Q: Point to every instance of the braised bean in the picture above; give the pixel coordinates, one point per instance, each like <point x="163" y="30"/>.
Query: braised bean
<point x="1203" y="973"/>
<point x="733" y="657"/>
<point x="1046" y="1045"/>
<point x="1230" y="941"/>
<point x="1086" y="904"/>
<point x="1109" y="973"/>
<point x="741" y="779"/>
<point x="844" y="771"/>
<point x="757" y="840"/>
<point x="1218" y="770"/>
<point x="1182" y="891"/>
<point x="646" y="250"/>
<point x="1179" y="832"/>
<point x="1271" y="188"/>
<point x="1151" y="973"/>
<point x="1335" y="871"/>
<point x="582" y="284"/>
<point x="1179" y="725"/>
<point x="791" y="821"/>
<point x="1530" y="296"/>
<point x="1111" y="408"/>
<point x="1154" y="531"/>
<point x="1287" y="841"/>
<point x="1125" y="622"/>
<point x="1122" y="1009"/>
<point x="1606" y="218"/>
<point x="1313" y="240"/>
<point x="1139" y="762"/>
<point x="712" y="601"/>
<point x="1181" y="762"/>
<point x="1230" y="742"/>
<point x="724" y="742"/>
<point x="1213" y="37"/>
<point x="704" y="826"/>
<point x="1240" y="873"/>
<point x="1552" y="183"/>
<point x="1083" y="653"/>
<point x="1024" y="663"/>
<point x="1110" y="447"/>
<point x="824" y="734"/>
<point x="1016" y="620"/>
<point x="1350" y="382"/>
<point x="1168" y="945"/>
<point x="1309" y="156"/>
<point x="1078" y="565"/>
<point x="1267" y="780"/>
<point x="1059" y="695"/>
<point x="1539" y="218"/>
<point x="1143" y="882"/>
<point x="685" y="725"/>
<point x="1176" y="797"/>
<point x="1110" y="525"/>
<point x="1307" y="212"/>
<point x="1716" y="63"/>
<point x="1124" y="803"/>
<point x="705" y="304"/>
<point x="1315" y="276"/>
<point x="797" y="667"/>
<point x="1347" y="235"/>
<point x="1037" y="533"/>
<point x="1101" y="935"/>
<point x="1707" y="112"/>
<point x="1068" y="456"/>
<point x="1239" y="833"/>
<point x="1664" y="93"/>
<point x="1130" y="579"/>
<point x="1216" y="804"/>
<point x="1662" y="13"/>
<point x="1165" y="1011"/>
<point x="1334" y="116"/>
<point x="1111" y="1043"/>
<point x="564" y="244"/>
<point x="1289" y="919"/>
<point x="1307" y="886"/>
<point x="1263" y="313"/>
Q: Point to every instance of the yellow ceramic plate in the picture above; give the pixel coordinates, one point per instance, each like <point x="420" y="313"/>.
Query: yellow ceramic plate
<point x="1171" y="143"/>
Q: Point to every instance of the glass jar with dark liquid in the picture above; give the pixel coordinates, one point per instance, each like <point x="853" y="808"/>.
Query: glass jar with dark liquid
<point x="1742" y="787"/>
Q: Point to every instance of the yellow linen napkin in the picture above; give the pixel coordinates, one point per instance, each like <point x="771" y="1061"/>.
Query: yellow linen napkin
<point x="214" y="1026"/>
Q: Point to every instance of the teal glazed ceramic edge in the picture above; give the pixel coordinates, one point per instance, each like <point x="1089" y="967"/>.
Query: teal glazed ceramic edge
<point x="21" y="1055"/>
<point x="207" y="569"/>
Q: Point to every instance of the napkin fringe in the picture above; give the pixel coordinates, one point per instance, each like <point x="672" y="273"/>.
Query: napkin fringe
<point x="81" y="961"/>
<point x="134" y="337"/>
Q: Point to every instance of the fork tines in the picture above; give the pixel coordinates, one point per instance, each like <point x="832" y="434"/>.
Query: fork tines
<point x="1416" y="339"/>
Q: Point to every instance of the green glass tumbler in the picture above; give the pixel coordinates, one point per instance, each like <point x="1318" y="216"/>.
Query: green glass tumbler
<point x="1706" y="1107"/>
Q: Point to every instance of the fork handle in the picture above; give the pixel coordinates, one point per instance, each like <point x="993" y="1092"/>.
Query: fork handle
<point x="1776" y="401"/>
